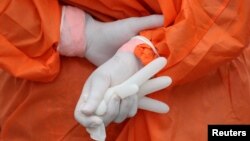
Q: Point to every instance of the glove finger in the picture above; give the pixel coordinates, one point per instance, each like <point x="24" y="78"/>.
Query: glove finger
<point x="154" y="85"/>
<point x="147" y="71"/>
<point x="153" y="105"/>
<point x="99" y="84"/>
<point x="87" y="121"/>
<point x="141" y="23"/>
<point x="102" y="107"/>
<point x="121" y="91"/>
<point x="85" y="91"/>
<point x="134" y="107"/>
<point x="127" y="90"/>
<point x="112" y="110"/>
<point x="125" y="108"/>
<point x="97" y="133"/>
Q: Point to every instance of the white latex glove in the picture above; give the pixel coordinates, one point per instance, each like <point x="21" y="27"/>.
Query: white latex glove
<point x="81" y="35"/>
<point x="115" y="71"/>
<point x="104" y="39"/>
<point x="112" y="73"/>
<point x="135" y="88"/>
<point x="109" y="107"/>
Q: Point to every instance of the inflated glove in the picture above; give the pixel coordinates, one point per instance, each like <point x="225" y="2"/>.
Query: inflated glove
<point x="82" y="35"/>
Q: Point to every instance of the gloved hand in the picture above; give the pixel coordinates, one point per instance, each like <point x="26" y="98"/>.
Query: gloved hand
<point x="109" y="107"/>
<point x="104" y="39"/>
<point x="115" y="71"/>
<point x="98" y="41"/>
<point x="136" y="87"/>
<point x="130" y="88"/>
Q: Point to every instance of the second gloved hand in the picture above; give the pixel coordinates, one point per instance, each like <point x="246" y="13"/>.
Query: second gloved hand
<point x="104" y="39"/>
<point x="83" y="36"/>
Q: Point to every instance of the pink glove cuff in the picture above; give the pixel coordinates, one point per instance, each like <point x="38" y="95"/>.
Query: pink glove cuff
<point x="72" y="35"/>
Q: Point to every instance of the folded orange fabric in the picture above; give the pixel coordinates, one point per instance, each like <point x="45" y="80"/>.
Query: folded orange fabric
<point x="29" y="33"/>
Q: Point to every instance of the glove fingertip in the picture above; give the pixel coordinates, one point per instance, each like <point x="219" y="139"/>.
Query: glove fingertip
<point x="87" y="109"/>
<point x="163" y="108"/>
<point x="132" y="113"/>
<point x="166" y="110"/>
<point x="102" y="108"/>
<point x="167" y="81"/>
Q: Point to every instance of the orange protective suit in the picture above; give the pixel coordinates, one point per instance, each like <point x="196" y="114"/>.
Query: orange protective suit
<point x="205" y="42"/>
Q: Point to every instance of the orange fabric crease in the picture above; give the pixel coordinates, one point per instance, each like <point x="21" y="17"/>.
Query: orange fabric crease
<point x="28" y="37"/>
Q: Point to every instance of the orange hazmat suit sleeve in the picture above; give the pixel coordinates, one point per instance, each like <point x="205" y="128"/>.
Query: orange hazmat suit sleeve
<point x="29" y="33"/>
<point x="198" y="35"/>
<point x="203" y="36"/>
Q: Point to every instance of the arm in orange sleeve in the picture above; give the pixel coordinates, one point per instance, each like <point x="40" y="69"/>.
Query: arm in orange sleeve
<point x="204" y="35"/>
<point x="29" y="33"/>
